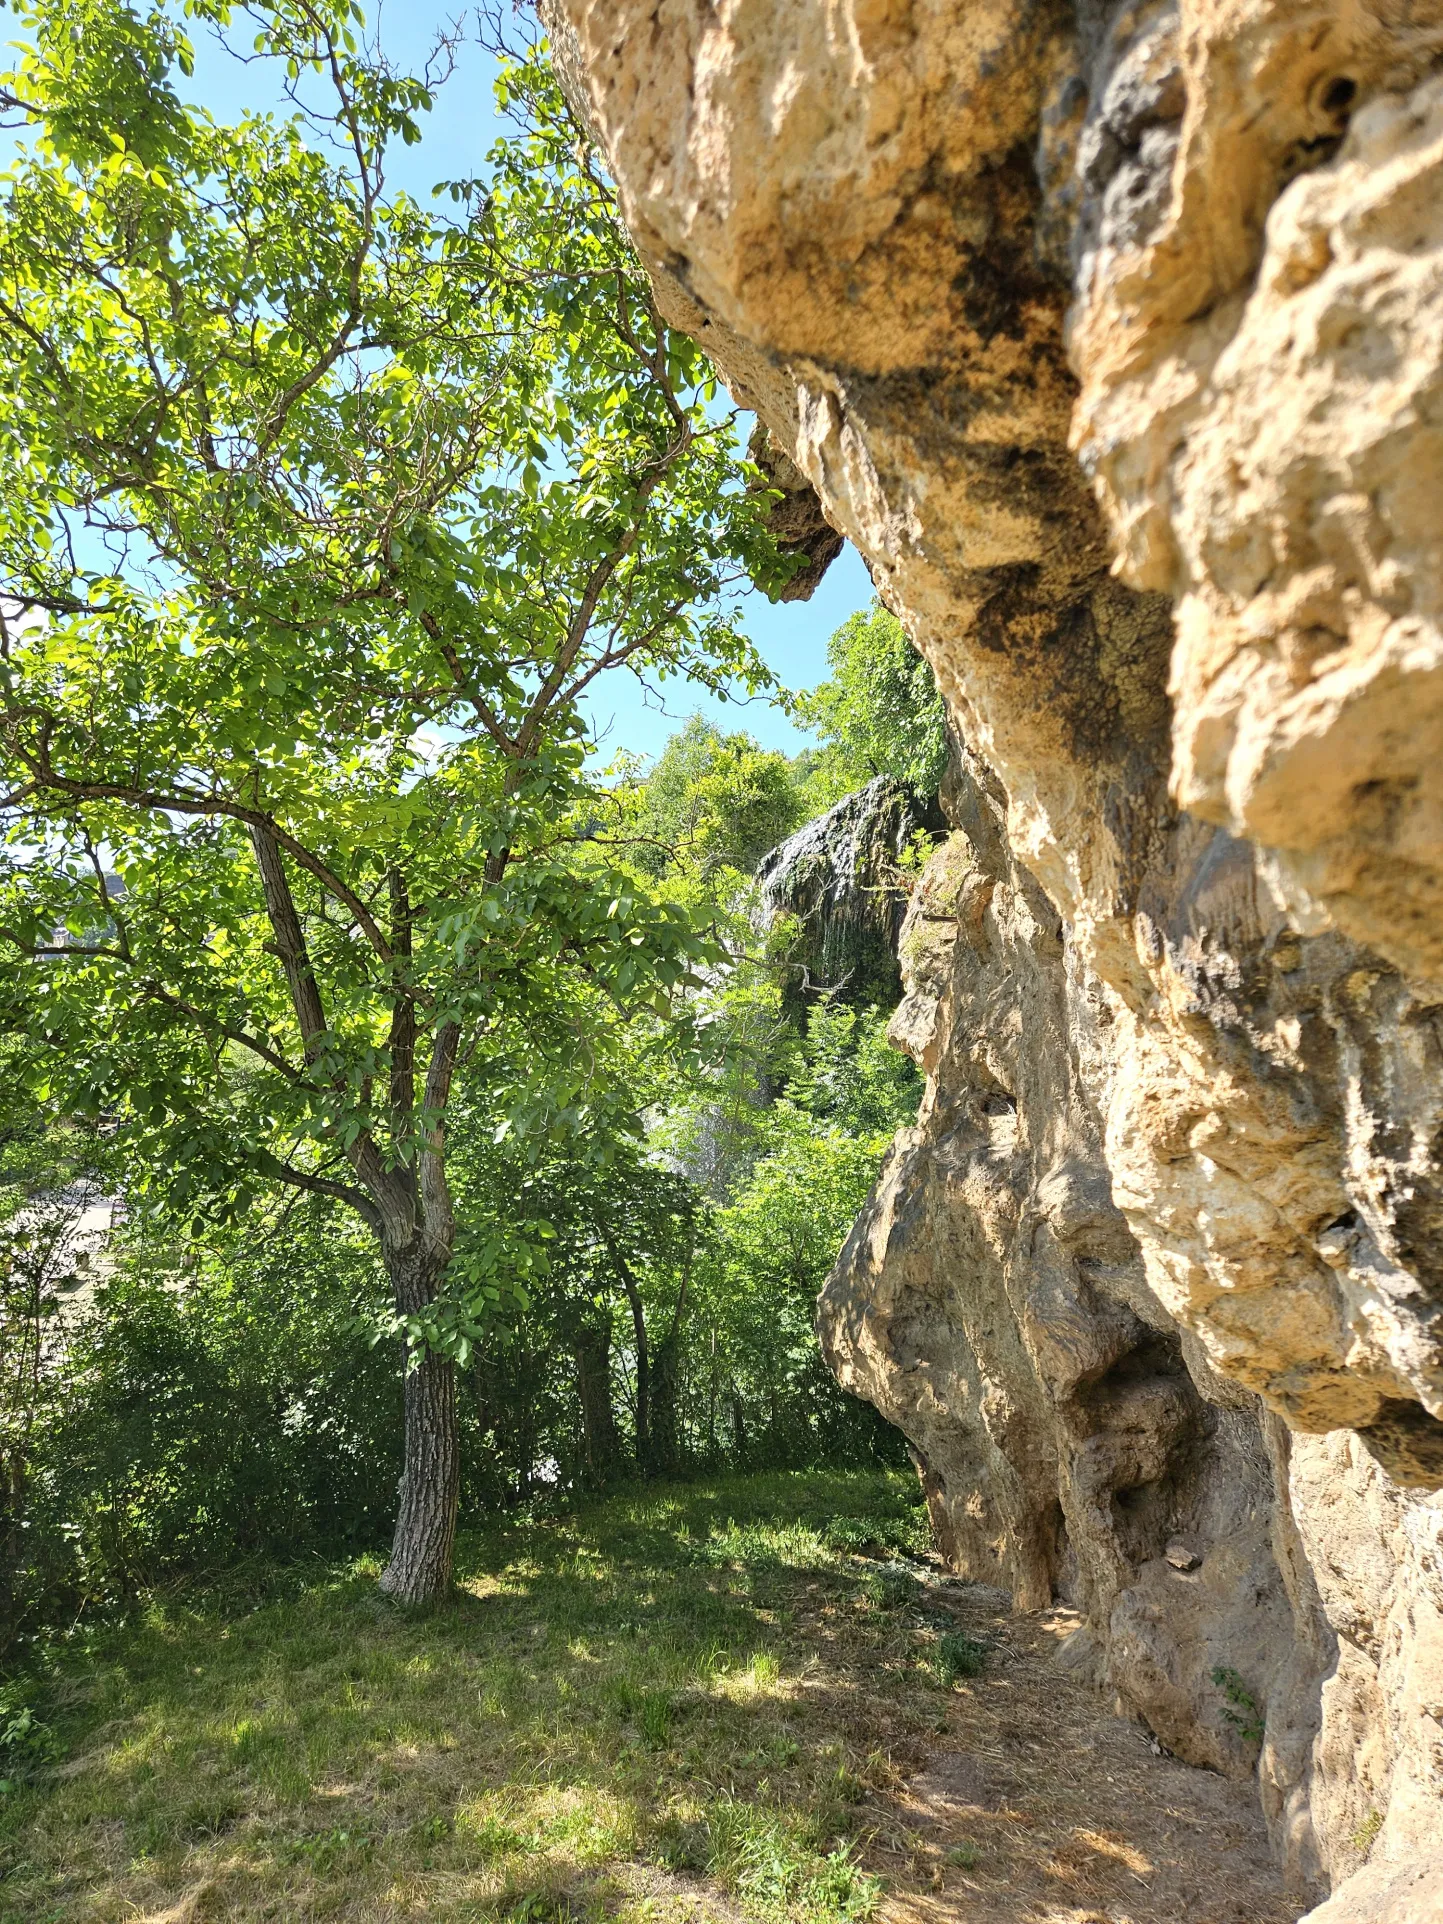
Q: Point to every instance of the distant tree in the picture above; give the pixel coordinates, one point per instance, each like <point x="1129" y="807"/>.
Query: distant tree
<point x="319" y="513"/>
<point x="760" y="1381"/>
<point x="878" y="714"/>
<point x="714" y="802"/>
<point x="620" y="1274"/>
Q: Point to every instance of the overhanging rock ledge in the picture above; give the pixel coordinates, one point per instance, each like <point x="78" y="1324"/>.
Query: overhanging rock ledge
<point x="1113" y="338"/>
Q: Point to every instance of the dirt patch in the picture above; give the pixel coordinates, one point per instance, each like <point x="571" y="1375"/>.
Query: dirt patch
<point x="1039" y="1807"/>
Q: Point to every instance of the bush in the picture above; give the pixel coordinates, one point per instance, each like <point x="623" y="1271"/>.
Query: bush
<point x="25" y="1742"/>
<point x="227" y="1407"/>
<point x="862" y="1535"/>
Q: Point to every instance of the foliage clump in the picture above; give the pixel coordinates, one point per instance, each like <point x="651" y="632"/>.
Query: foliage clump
<point x="959" y="1656"/>
<point x="878" y="714"/>
<point x="867" y="1535"/>
<point x="1241" y="1709"/>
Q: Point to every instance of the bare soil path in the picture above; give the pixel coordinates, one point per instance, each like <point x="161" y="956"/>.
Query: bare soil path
<point x="1038" y="1806"/>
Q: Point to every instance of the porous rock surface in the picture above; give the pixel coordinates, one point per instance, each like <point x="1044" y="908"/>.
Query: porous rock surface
<point x="1112" y="335"/>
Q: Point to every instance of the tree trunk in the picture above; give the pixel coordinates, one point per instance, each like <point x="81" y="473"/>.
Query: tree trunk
<point x="420" y="1567"/>
<point x="643" y="1363"/>
<point x="598" y="1423"/>
<point x="665" y="1389"/>
<point x="739" y="1431"/>
<point x="665" y="1428"/>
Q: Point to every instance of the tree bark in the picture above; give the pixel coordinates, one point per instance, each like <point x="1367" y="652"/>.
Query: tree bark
<point x="419" y="1571"/>
<point x="665" y="1424"/>
<point x="643" y="1357"/>
<point x="598" y="1423"/>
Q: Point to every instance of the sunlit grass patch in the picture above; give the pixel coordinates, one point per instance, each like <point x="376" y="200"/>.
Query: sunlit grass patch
<point x="632" y="1685"/>
<point x="779" y="1865"/>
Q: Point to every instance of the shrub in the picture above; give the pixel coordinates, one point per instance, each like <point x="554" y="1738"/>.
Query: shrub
<point x="211" y="1411"/>
<point x="861" y="1535"/>
<point x="25" y="1742"/>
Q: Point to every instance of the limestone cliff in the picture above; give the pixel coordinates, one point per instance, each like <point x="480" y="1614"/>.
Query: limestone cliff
<point x="1113" y="337"/>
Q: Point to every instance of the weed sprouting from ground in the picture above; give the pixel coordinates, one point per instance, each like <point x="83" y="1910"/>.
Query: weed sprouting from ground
<point x="959" y="1656"/>
<point x="776" y="1866"/>
<point x="628" y="1692"/>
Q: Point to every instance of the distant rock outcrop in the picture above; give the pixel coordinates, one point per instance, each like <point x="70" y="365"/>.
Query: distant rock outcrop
<point x="841" y="876"/>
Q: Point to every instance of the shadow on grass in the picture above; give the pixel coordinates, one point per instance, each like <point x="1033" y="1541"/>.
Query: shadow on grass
<point x="673" y="1663"/>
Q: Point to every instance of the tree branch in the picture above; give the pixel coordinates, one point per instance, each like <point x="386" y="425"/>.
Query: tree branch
<point x="279" y="1171"/>
<point x="186" y="802"/>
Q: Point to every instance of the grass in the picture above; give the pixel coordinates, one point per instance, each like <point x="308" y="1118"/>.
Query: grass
<point x="676" y="1701"/>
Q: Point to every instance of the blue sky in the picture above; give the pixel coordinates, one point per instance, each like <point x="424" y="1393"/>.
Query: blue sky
<point x="793" y="636"/>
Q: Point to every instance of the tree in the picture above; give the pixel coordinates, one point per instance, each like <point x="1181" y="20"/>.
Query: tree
<point x="879" y="714"/>
<point x="322" y="511"/>
<point x="714" y="803"/>
<point x="815" y="1156"/>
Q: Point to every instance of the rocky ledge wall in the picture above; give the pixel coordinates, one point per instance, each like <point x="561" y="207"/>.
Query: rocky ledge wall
<point x="1113" y="338"/>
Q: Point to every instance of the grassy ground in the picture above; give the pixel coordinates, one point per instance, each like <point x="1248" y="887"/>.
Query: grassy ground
<point x="676" y="1702"/>
<point x="756" y="1701"/>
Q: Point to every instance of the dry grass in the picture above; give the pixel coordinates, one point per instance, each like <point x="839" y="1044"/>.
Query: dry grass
<point x="696" y="1702"/>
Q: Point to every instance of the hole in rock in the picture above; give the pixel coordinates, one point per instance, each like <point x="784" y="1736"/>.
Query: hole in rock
<point x="999" y="1105"/>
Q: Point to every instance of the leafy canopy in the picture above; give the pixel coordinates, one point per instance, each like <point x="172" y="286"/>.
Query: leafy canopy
<point x="320" y="511"/>
<point x="714" y="802"/>
<point x="878" y="714"/>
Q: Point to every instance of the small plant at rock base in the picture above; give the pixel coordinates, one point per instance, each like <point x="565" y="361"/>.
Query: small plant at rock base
<point x="959" y="1656"/>
<point x="1241" y="1710"/>
<point x="1366" y="1835"/>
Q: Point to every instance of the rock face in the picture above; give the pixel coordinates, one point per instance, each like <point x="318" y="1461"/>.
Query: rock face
<point x="795" y="518"/>
<point x="1113" y="337"/>
<point x="841" y="878"/>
